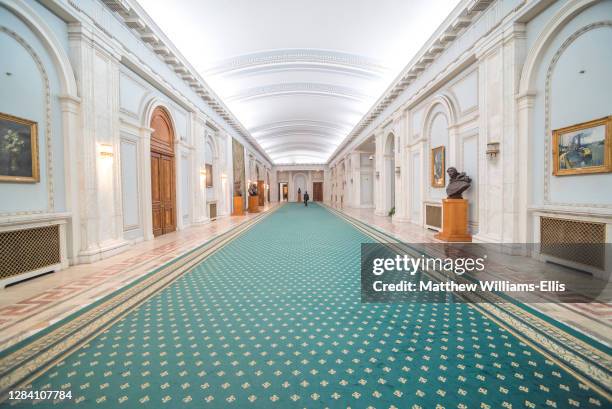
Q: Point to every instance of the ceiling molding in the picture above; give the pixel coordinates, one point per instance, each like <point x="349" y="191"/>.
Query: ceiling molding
<point x="298" y="134"/>
<point x="298" y="56"/>
<point x="293" y="67"/>
<point x="298" y="123"/>
<point x="315" y="158"/>
<point x="308" y="146"/>
<point x="300" y="88"/>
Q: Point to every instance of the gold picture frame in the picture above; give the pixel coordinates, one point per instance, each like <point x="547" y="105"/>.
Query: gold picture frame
<point x="438" y="175"/>
<point x="583" y="148"/>
<point x="18" y="150"/>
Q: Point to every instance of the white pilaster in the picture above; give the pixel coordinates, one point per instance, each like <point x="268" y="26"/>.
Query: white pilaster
<point x="96" y="67"/>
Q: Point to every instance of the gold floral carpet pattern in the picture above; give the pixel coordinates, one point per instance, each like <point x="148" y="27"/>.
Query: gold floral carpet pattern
<point x="273" y="318"/>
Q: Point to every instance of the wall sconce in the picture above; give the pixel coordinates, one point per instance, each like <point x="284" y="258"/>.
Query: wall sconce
<point x="371" y="157"/>
<point x="492" y="149"/>
<point x="377" y="174"/>
<point x="106" y="150"/>
<point x="397" y="170"/>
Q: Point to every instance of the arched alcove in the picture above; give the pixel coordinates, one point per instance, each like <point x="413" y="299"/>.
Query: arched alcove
<point x="563" y="62"/>
<point x="299" y="183"/>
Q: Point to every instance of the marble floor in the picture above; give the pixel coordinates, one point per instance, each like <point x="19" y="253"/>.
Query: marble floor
<point x="33" y="305"/>
<point x="591" y="318"/>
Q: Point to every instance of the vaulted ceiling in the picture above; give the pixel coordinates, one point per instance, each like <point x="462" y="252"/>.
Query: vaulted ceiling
<point x="299" y="75"/>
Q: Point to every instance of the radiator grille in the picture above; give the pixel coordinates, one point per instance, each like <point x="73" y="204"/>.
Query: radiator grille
<point x="433" y="216"/>
<point x="27" y="250"/>
<point x="571" y="240"/>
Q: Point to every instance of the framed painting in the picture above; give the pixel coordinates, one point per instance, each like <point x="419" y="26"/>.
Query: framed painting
<point x="437" y="167"/>
<point x="583" y="148"/>
<point x="18" y="150"/>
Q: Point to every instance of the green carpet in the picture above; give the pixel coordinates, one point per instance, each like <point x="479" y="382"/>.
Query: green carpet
<point x="274" y="319"/>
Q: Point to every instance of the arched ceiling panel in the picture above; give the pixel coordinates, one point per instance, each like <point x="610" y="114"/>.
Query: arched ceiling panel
<point x="299" y="75"/>
<point x="263" y="111"/>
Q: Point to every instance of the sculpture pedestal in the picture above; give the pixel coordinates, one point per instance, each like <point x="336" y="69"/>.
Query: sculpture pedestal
<point x="454" y="221"/>
<point x="299" y="198"/>
<point x="253" y="204"/>
<point x="238" y="206"/>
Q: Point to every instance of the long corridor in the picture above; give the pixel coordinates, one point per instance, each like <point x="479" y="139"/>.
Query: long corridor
<point x="273" y="318"/>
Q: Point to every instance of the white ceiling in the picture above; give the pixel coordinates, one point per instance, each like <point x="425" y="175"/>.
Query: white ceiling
<point x="299" y="75"/>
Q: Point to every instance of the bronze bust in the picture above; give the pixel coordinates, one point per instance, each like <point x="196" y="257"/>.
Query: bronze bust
<point x="459" y="183"/>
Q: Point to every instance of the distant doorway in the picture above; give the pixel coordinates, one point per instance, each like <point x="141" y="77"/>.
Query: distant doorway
<point x="283" y="192"/>
<point x="317" y="191"/>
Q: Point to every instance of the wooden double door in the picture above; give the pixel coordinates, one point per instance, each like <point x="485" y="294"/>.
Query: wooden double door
<point x="163" y="189"/>
<point x="317" y="191"/>
<point x="162" y="193"/>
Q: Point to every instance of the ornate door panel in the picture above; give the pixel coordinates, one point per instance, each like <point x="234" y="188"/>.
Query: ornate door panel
<point x="156" y="194"/>
<point x="167" y="193"/>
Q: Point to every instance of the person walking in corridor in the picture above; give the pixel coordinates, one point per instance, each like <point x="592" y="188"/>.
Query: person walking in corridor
<point x="306" y="197"/>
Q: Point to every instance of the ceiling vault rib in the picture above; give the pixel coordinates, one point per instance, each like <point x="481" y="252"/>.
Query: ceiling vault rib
<point x="295" y="55"/>
<point x="297" y="89"/>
